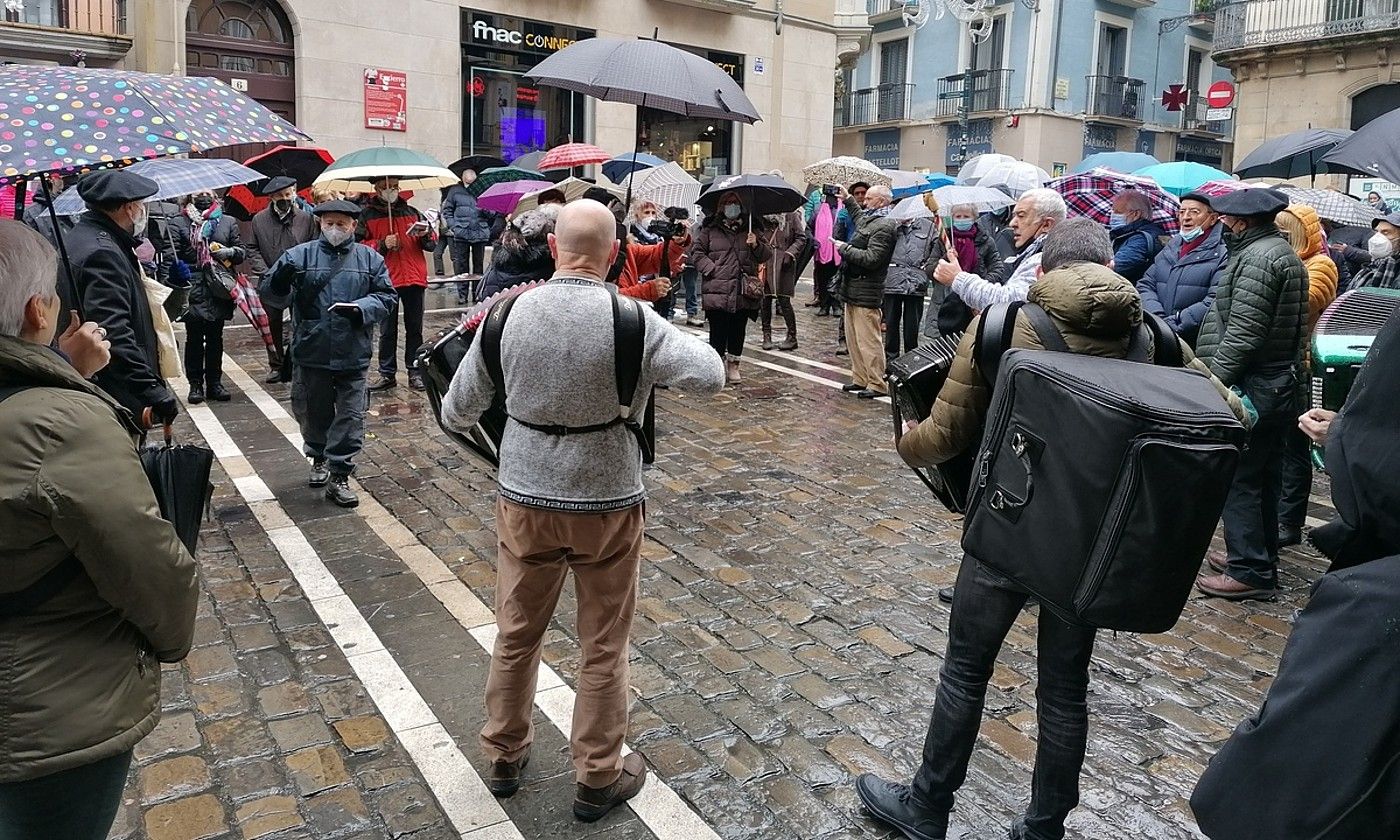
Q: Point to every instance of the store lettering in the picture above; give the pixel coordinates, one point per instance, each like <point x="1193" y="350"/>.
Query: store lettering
<point x="483" y="31"/>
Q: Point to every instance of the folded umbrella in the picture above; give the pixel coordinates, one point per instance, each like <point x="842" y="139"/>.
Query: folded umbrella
<point x="1014" y="177"/>
<point x="1090" y="194"/>
<point x="570" y="155"/>
<point x="179" y="475"/>
<point x="1182" y="176"/>
<point x="1117" y="161"/>
<point x="844" y="170"/>
<point x="972" y="171"/>
<point x="1294" y="155"/>
<point x="985" y="199"/>
<point x="1332" y="205"/>
<point x="357" y="171"/>
<point x="621" y="166"/>
<point x="503" y="197"/>
<point x="760" y="195"/>
<point x="667" y="185"/>
<point x="174" y="176"/>
<point x="487" y="179"/>
<point x="250" y="303"/>
<point x="1374" y="149"/>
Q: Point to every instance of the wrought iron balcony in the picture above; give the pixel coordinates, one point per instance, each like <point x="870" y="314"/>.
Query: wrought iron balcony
<point x="1115" y="97"/>
<point x="977" y="91"/>
<point x="1268" y="23"/>
<point x="884" y="103"/>
<point x="91" y="17"/>
<point x="1193" y="118"/>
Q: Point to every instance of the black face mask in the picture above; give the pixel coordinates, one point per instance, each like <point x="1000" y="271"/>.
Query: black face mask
<point x="203" y="202"/>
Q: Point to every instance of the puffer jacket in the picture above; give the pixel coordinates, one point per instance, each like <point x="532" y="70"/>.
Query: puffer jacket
<point x="81" y="670"/>
<point x="208" y="303"/>
<point x="1134" y="247"/>
<point x="1323" y="275"/>
<point x="313" y="276"/>
<point x="1181" y="289"/>
<point x="866" y="258"/>
<point x="1095" y="310"/>
<point x="516" y="260"/>
<point x="468" y="222"/>
<point x="913" y="243"/>
<point x="723" y="258"/>
<point x="1259" y="319"/>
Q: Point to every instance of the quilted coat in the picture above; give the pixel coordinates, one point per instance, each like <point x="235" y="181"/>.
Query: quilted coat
<point x="1182" y="288"/>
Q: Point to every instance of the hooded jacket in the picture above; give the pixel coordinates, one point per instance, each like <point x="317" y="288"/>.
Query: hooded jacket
<point x="1134" y="247"/>
<point x="1182" y="288"/>
<point x="913" y="244"/>
<point x="1322" y="270"/>
<point x="81" y="670"/>
<point x="1095" y="310"/>
<point x="723" y="258"/>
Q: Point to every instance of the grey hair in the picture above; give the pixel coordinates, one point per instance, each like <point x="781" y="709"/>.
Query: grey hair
<point x="970" y="209"/>
<point x="881" y="191"/>
<point x="1134" y="201"/>
<point x="28" y="267"/>
<point x="1046" y="203"/>
<point x="1073" y="241"/>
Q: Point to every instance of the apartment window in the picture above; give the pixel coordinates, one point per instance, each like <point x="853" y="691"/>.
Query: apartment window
<point x="1195" y="60"/>
<point x="1113" y="50"/>
<point x="894" y="62"/>
<point x="987" y="54"/>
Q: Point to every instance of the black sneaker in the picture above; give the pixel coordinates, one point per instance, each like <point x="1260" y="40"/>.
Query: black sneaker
<point x="1289" y="535"/>
<point x="338" y="491"/>
<point x="196" y="394"/>
<point x="415" y="381"/>
<point x="590" y="804"/>
<point x="319" y="474"/>
<point x="218" y="393"/>
<point x="894" y="805"/>
<point x="384" y="382"/>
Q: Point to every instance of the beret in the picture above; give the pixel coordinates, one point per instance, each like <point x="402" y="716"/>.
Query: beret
<point x="115" y="186"/>
<point x="277" y="184"/>
<point x="1252" y="201"/>
<point x="1201" y="197"/>
<point x="339" y="205"/>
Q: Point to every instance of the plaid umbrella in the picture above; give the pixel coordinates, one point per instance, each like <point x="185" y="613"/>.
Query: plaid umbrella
<point x="668" y="186"/>
<point x="1333" y="206"/>
<point x="247" y="299"/>
<point x="972" y="171"/>
<point x="1215" y="189"/>
<point x="68" y="119"/>
<point x="621" y="166"/>
<point x="1090" y="194"/>
<point x="487" y="179"/>
<point x="503" y="197"/>
<point x="845" y="170"/>
<point x="175" y="177"/>
<point x="570" y="155"/>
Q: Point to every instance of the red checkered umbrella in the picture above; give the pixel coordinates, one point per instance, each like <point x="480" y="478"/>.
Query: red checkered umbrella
<point x="570" y="155"/>
<point x="1090" y="194"/>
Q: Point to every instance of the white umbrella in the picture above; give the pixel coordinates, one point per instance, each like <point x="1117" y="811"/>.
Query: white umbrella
<point x="843" y="171"/>
<point x="667" y="185"/>
<point x="910" y="209"/>
<point x="1014" y="177"/>
<point x="572" y="188"/>
<point x="971" y="172"/>
<point x="985" y="199"/>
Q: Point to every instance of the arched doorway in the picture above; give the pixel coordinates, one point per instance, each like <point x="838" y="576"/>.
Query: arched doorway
<point x="244" y="41"/>
<point x="1374" y="102"/>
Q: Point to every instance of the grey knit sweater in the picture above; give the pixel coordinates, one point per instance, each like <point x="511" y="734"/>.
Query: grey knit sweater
<point x="557" y="361"/>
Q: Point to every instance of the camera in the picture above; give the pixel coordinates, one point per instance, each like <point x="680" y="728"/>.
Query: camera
<point x="671" y="225"/>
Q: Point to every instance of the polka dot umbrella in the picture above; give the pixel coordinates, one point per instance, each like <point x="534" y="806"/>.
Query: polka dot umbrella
<point x="70" y="119"/>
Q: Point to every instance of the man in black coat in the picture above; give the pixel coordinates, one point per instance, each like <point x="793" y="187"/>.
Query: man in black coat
<point x="107" y="280"/>
<point x="275" y="228"/>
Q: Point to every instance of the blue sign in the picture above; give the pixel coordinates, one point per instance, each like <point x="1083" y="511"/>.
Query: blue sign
<point x="1099" y="138"/>
<point x="979" y="142"/>
<point x="882" y="148"/>
<point x="1147" y="142"/>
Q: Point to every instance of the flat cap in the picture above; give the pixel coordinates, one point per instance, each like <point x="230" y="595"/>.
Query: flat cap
<point x="115" y="186"/>
<point x="338" y="205"/>
<point x="1393" y="218"/>
<point x="1201" y="197"/>
<point x="1251" y="201"/>
<point x="277" y="184"/>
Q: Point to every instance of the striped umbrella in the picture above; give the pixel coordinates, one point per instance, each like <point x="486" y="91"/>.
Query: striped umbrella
<point x="487" y="179"/>
<point x="503" y="197"/>
<point x="175" y="177"/>
<point x="357" y="171"/>
<point x="667" y="185"/>
<point x="570" y="155"/>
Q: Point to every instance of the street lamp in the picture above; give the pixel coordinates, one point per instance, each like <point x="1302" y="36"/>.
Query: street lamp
<point x="974" y="13"/>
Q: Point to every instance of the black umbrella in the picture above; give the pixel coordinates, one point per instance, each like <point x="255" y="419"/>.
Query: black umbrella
<point x="760" y="195"/>
<point x="476" y="163"/>
<point x="179" y="475"/>
<point x="1374" y="150"/>
<point x="1293" y="155"/>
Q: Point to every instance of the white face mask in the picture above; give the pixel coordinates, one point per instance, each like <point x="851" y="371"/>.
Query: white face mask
<point x="140" y="222"/>
<point x="389" y="195"/>
<point x="336" y="236"/>
<point x="1380" y="246"/>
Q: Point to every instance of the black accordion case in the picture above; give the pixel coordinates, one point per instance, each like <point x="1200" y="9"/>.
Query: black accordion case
<point x="915" y="380"/>
<point x="438" y="361"/>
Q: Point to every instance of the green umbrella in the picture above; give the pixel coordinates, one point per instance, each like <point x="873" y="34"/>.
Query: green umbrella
<point x="357" y="171"/>
<point x="502" y="175"/>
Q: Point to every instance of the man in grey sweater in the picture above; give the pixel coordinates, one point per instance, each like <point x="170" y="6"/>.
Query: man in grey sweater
<point x="572" y="501"/>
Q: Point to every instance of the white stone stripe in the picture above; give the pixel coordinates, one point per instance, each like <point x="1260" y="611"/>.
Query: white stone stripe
<point x="658" y="806"/>
<point x="466" y="802"/>
<point x="699" y="332"/>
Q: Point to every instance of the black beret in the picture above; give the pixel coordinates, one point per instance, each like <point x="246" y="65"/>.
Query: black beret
<point x="339" y="205"/>
<point x="1251" y="201"/>
<point x="1393" y="218"/>
<point x="115" y="186"/>
<point x="1201" y="197"/>
<point x="277" y="184"/>
<point x="599" y="195"/>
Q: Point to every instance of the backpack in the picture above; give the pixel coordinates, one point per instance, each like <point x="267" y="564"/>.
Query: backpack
<point x="1098" y="482"/>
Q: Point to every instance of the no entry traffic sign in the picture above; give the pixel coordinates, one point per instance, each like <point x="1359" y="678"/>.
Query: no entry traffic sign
<point x="1220" y="95"/>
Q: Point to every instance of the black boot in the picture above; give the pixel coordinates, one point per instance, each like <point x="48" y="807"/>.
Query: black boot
<point x="196" y="393"/>
<point x="894" y="805"/>
<point x="1289" y="535"/>
<point x="338" y="491"/>
<point x="218" y="393"/>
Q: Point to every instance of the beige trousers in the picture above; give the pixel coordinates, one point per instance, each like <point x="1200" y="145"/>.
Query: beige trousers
<point x="866" y="346"/>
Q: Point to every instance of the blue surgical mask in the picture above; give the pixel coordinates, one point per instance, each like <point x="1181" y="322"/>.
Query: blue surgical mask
<point x="1192" y="234"/>
<point x="732" y="211"/>
<point x="1117" y="220"/>
<point x="963" y="224"/>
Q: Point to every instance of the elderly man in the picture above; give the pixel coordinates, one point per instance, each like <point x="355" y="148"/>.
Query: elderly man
<point x="1036" y="214"/>
<point x="395" y="228"/>
<point x="1180" y="284"/>
<point x="337" y="290"/>
<point x="280" y="225"/>
<point x="570" y="501"/>
<point x="1136" y="237"/>
<point x="96" y="589"/>
<point x="1096" y="312"/>
<point x="866" y="258"/>
<point x="108" y="281"/>
<point x="1253" y="339"/>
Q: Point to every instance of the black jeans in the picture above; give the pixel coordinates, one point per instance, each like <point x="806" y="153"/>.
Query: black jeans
<point x="275" y="319"/>
<point x="204" y="351"/>
<point x="984" y="608"/>
<point x="823" y="283"/>
<point x="411" y="305"/>
<point x="468" y="257"/>
<point x="1295" y="482"/>
<point x="77" y="804"/>
<point x="785" y="311"/>
<point x="727" y="331"/>
<point x="910" y="310"/>
<point x="1251" y="508"/>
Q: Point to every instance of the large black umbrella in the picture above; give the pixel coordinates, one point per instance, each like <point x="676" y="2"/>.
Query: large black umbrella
<point x="476" y="163"/>
<point x="1297" y="154"/>
<point x="1374" y="150"/>
<point x="760" y="195"/>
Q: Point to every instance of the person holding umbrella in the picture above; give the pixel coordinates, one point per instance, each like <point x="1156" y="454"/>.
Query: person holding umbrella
<point x="728" y="251"/>
<point x="217" y="248"/>
<point x="471" y="229"/>
<point x="394" y="228"/>
<point x="282" y="224"/>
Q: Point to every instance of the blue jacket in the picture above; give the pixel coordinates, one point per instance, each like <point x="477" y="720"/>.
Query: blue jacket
<point x="843" y="228"/>
<point x="1182" y="289"/>
<point x="468" y="222"/>
<point x="308" y="279"/>
<point x="1134" y="247"/>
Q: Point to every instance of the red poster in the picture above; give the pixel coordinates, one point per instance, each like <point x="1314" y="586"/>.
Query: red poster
<point x="386" y="99"/>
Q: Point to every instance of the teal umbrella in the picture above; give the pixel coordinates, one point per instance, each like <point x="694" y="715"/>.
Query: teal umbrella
<point x="1183" y="176"/>
<point x="502" y="175"/>
<point x="357" y="171"/>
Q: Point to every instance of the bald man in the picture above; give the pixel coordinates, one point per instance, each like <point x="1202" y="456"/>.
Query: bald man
<point x="571" y="498"/>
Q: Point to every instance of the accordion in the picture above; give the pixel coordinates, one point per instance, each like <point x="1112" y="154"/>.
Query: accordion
<point x="915" y="380"/>
<point x="1340" y="342"/>
<point x="438" y="361"/>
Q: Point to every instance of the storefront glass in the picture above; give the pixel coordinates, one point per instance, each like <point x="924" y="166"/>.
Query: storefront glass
<point x="501" y="114"/>
<point x="704" y="148"/>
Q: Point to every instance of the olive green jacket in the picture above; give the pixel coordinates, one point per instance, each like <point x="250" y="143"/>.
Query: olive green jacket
<point x="80" y="673"/>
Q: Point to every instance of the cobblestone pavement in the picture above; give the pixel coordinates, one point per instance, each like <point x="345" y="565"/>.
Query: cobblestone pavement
<point x="789" y="636"/>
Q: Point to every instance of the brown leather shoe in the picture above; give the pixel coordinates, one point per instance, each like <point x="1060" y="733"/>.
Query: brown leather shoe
<point x="590" y="804"/>
<point x="504" y="778"/>
<point x="1217" y="561"/>
<point x="1224" y="586"/>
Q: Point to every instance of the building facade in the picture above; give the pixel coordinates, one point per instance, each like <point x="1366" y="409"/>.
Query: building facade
<point x="446" y="76"/>
<point x="1047" y="81"/>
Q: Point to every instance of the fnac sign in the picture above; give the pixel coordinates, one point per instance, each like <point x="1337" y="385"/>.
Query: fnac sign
<point x="483" y="31"/>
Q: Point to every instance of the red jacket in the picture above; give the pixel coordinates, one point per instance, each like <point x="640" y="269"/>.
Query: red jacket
<point x="407" y="264"/>
<point x="646" y="259"/>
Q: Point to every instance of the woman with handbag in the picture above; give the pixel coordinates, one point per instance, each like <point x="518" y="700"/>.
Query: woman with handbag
<point x="728" y="251"/>
<point x="787" y="239"/>
<point x="217" y="249"/>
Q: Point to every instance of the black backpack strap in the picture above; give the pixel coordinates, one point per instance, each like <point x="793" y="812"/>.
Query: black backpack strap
<point x="994" y="331"/>
<point x="1166" y="347"/>
<point x="491" y="330"/>
<point x="1045" y="329"/>
<point x="629" y="344"/>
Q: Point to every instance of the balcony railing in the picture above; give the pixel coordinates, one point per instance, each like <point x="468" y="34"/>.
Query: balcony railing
<point x="880" y="7"/>
<point x="1264" y="23"/>
<point x="1119" y="97"/>
<point x="885" y="103"/>
<point x="977" y="91"/>
<point x="98" y="17"/>
<point x="1193" y="117"/>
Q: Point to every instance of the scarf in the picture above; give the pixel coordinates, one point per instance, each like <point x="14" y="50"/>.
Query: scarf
<point x="881" y="212"/>
<point x="823" y="226"/>
<point x="965" y="245"/>
<point x="200" y="233"/>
